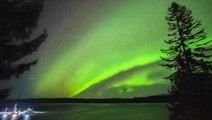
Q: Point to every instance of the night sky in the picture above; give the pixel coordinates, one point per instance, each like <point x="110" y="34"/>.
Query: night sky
<point x="102" y="49"/>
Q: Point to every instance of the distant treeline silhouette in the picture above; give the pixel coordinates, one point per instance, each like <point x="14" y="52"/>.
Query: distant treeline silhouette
<point x="149" y="99"/>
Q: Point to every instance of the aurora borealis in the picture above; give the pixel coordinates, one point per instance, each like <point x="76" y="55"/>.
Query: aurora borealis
<point x="104" y="48"/>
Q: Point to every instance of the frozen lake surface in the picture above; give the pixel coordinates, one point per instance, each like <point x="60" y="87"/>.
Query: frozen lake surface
<point x="122" y="111"/>
<point x="115" y="111"/>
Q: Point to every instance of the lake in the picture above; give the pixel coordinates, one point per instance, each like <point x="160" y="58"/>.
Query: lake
<point x="122" y="111"/>
<point x="116" y="111"/>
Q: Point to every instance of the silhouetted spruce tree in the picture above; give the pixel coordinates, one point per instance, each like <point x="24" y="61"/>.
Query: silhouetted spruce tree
<point x="18" y="18"/>
<point x="188" y="54"/>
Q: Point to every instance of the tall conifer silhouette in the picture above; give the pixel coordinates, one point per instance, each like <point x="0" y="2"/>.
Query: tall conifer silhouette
<point x="188" y="54"/>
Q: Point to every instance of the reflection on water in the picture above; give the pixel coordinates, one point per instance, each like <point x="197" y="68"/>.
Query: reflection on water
<point x="26" y="117"/>
<point x="15" y="117"/>
<point x="135" y="111"/>
<point x="190" y="111"/>
<point x="129" y="111"/>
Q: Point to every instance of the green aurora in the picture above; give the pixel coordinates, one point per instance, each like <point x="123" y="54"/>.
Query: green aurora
<point x="114" y="55"/>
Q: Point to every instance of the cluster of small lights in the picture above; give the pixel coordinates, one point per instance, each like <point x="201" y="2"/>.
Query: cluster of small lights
<point x="26" y="117"/>
<point x="14" y="117"/>
<point x="4" y="117"/>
